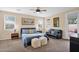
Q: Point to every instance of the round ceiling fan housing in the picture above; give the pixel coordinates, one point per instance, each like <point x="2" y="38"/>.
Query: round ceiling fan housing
<point x="37" y="10"/>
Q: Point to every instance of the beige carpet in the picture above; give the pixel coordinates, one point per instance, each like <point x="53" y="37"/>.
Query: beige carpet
<point x="53" y="45"/>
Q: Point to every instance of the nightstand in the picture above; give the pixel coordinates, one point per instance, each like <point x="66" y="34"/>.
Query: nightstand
<point x="14" y="36"/>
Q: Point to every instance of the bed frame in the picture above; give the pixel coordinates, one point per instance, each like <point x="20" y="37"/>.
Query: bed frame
<point x="21" y="32"/>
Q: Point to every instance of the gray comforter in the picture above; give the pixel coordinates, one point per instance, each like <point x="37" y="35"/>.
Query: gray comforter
<point x="26" y="38"/>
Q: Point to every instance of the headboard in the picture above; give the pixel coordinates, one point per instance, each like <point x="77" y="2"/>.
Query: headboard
<point x="28" y="30"/>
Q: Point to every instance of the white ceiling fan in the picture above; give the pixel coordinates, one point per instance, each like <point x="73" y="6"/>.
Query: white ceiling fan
<point x="38" y="10"/>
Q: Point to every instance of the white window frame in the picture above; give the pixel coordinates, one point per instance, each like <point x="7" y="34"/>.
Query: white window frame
<point x="13" y="23"/>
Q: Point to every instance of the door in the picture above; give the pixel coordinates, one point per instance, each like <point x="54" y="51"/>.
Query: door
<point x="73" y="24"/>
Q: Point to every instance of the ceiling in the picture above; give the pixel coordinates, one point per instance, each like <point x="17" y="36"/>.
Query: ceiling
<point x="26" y="10"/>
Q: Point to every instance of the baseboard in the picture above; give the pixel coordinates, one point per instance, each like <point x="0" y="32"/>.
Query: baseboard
<point x="67" y="39"/>
<point x="5" y="39"/>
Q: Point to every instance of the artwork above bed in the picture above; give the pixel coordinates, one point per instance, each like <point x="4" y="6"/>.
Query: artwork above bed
<point x="28" y="21"/>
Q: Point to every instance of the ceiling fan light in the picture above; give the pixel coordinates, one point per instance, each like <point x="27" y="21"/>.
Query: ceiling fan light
<point x="37" y="12"/>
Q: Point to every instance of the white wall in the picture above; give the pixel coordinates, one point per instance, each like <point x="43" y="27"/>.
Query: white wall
<point x="65" y="31"/>
<point x="7" y="34"/>
<point x="78" y="23"/>
<point x="39" y="20"/>
<point x="48" y="24"/>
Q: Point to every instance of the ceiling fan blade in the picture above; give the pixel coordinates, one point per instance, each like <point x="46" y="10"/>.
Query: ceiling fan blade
<point x="32" y="9"/>
<point x="38" y="8"/>
<point x="43" y="10"/>
<point x="34" y="12"/>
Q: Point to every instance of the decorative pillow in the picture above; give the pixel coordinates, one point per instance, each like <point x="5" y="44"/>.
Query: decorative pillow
<point x="25" y="31"/>
<point x="52" y="32"/>
<point x="31" y="31"/>
<point x="55" y="33"/>
<point x="49" y="31"/>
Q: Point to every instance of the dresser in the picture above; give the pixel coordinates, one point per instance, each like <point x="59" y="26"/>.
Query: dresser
<point x="14" y="36"/>
<point x="74" y="44"/>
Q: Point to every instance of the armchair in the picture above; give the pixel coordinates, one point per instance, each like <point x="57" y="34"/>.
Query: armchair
<point x="54" y="33"/>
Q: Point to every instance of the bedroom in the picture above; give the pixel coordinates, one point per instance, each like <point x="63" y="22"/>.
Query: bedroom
<point x="13" y="22"/>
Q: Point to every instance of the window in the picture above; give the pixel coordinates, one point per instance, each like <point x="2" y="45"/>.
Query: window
<point x="9" y="22"/>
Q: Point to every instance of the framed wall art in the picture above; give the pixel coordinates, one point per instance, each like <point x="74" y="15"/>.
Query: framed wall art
<point x="28" y="21"/>
<point x="9" y="22"/>
<point x="56" y="22"/>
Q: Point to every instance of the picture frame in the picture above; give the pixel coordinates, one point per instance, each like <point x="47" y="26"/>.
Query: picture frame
<point x="28" y="21"/>
<point x="9" y="22"/>
<point x="56" y="22"/>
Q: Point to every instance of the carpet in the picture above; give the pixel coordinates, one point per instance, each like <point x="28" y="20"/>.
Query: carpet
<point x="53" y="45"/>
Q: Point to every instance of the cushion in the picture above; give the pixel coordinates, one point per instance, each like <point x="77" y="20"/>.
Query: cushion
<point x="52" y="32"/>
<point x="31" y="31"/>
<point x="55" y="33"/>
<point x="25" y="31"/>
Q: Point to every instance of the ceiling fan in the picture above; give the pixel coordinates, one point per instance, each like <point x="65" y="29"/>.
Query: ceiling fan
<point x="38" y="10"/>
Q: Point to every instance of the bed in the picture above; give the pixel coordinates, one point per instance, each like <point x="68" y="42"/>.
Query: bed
<point x="27" y="34"/>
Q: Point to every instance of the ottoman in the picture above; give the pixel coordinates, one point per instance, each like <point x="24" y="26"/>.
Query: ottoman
<point x="43" y="40"/>
<point x="35" y="43"/>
